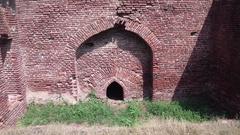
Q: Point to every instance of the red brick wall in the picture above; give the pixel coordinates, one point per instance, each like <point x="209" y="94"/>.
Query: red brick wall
<point x="3" y="101"/>
<point x="183" y="57"/>
<point x="226" y="35"/>
<point x="51" y="32"/>
<point x="12" y="94"/>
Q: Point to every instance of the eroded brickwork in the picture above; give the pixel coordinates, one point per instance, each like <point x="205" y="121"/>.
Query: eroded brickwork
<point x="51" y="32"/>
<point x="162" y="49"/>
<point x="12" y="94"/>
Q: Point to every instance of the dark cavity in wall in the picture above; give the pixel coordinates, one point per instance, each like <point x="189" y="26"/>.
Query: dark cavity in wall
<point x="122" y="14"/>
<point x="5" y="45"/>
<point x="194" y="33"/>
<point x="120" y="25"/>
<point x="8" y="3"/>
<point x="115" y="91"/>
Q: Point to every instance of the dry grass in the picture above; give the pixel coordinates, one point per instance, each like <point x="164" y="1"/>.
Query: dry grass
<point x="153" y="127"/>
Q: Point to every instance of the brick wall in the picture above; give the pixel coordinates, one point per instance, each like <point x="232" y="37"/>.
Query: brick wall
<point x="12" y="95"/>
<point x="52" y="31"/>
<point x="163" y="49"/>
<point x="115" y="55"/>
<point x="226" y="33"/>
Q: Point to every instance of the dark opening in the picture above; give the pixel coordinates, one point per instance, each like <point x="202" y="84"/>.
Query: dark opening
<point x="115" y="91"/>
<point x="5" y="45"/>
<point x="89" y="44"/>
<point x="120" y="25"/>
<point x="193" y="33"/>
<point x="8" y="3"/>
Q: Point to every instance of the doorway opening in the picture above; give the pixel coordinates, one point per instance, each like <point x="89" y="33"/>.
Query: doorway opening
<point x="115" y="91"/>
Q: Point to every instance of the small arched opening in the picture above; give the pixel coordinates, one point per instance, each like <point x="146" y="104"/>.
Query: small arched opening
<point x="115" y="91"/>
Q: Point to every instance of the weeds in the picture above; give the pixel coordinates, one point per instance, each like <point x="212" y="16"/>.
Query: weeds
<point x="130" y="116"/>
<point x="94" y="111"/>
<point x="174" y="111"/>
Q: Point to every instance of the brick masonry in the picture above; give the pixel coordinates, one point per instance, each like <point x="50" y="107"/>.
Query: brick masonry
<point x="61" y="50"/>
<point x="226" y="41"/>
<point x="12" y="89"/>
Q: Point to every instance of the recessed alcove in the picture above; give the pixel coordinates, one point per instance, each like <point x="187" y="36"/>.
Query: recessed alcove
<point x="115" y="53"/>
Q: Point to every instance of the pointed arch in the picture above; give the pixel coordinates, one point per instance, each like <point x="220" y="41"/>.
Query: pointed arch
<point x="105" y="23"/>
<point x="115" y="91"/>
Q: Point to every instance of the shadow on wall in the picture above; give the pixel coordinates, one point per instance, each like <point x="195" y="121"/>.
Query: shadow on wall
<point x="227" y="55"/>
<point x="88" y="46"/>
<point x="5" y="45"/>
<point x="212" y="73"/>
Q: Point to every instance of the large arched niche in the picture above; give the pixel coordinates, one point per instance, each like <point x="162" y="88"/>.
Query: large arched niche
<point x="115" y="53"/>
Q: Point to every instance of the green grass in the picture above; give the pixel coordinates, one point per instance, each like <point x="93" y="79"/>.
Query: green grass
<point x="129" y="116"/>
<point x="95" y="111"/>
<point x="174" y="110"/>
<point x="92" y="111"/>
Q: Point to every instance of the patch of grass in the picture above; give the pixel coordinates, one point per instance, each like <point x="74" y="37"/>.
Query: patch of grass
<point x="195" y="109"/>
<point x="131" y="115"/>
<point x="174" y="110"/>
<point x="95" y="111"/>
<point x="92" y="111"/>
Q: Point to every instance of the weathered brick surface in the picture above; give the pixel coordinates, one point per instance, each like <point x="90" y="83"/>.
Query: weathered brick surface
<point x="51" y="32"/>
<point x="162" y="49"/>
<point x="3" y="21"/>
<point x="12" y="94"/>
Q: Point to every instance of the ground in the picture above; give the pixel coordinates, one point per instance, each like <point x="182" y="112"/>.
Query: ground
<point x="153" y="127"/>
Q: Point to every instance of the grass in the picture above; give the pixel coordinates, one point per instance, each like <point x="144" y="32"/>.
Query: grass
<point x="94" y="111"/>
<point x="191" y="110"/>
<point x="175" y="111"/>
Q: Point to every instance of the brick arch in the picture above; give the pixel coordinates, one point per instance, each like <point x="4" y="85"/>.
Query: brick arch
<point x="104" y="24"/>
<point x="107" y="23"/>
<point x="110" y="81"/>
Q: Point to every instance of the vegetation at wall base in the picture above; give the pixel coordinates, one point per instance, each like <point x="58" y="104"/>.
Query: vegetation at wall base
<point x="94" y="111"/>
